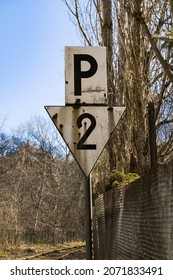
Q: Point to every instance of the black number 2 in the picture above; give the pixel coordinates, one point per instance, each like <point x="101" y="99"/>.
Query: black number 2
<point x="81" y="145"/>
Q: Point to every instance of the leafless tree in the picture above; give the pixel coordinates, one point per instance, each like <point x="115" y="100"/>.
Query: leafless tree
<point x="43" y="135"/>
<point x="40" y="190"/>
<point x="139" y="71"/>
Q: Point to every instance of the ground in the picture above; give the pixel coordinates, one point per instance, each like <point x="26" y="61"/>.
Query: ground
<point x="42" y="251"/>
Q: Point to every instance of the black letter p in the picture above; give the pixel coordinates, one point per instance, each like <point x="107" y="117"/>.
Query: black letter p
<point x="79" y="74"/>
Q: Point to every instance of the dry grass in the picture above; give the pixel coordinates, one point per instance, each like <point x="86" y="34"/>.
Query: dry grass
<point x="13" y="252"/>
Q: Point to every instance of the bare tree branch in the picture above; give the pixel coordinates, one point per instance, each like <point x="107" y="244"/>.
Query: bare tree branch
<point x="164" y="63"/>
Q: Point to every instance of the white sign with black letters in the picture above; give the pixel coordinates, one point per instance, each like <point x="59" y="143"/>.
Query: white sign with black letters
<point x="85" y="75"/>
<point x="85" y="130"/>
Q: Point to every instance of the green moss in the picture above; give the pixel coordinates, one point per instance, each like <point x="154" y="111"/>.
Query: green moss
<point x="119" y="179"/>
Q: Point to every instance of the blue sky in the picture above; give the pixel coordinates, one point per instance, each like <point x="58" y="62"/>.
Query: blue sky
<point x="33" y="34"/>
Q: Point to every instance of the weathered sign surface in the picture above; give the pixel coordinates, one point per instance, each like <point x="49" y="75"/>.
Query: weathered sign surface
<point x="86" y="130"/>
<point x="85" y="123"/>
<point x="85" y="75"/>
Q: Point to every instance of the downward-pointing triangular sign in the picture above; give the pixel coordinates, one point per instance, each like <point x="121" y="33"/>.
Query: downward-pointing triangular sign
<point x="85" y="130"/>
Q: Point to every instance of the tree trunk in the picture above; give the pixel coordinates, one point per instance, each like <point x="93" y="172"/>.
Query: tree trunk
<point x="107" y="36"/>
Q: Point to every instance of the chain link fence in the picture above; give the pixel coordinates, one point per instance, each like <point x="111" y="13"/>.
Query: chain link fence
<point x="136" y="221"/>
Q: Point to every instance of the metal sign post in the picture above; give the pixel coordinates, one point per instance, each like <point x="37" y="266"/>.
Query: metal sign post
<point x="86" y="122"/>
<point x="88" y="220"/>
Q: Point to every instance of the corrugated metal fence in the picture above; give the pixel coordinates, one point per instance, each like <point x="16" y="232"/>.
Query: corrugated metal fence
<point x="136" y="221"/>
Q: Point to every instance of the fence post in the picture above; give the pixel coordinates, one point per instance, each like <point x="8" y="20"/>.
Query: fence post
<point x="152" y="135"/>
